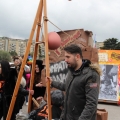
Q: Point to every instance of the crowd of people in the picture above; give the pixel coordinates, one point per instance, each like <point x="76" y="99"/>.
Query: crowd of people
<point x="81" y="88"/>
<point x="8" y="78"/>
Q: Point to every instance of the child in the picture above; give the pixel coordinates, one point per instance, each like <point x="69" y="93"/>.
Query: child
<point x="57" y="98"/>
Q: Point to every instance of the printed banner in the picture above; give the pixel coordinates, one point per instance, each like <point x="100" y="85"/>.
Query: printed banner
<point x="109" y="61"/>
<point x="109" y="82"/>
<point x="109" y="56"/>
<point x="58" y="71"/>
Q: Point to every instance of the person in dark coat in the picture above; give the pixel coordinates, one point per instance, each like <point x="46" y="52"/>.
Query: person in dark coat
<point x="8" y="78"/>
<point x="81" y="86"/>
<point x="38" y="90"/>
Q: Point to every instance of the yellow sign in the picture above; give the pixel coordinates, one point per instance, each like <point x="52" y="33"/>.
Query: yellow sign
<point x="109" y="57"/>
<point x="109" y="61"/>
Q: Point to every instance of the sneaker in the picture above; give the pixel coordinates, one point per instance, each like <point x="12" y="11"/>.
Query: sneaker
<point x="26" y="103"/>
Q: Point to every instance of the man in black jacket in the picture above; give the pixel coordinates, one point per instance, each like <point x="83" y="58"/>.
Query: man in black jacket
<point x="81" y="86"/>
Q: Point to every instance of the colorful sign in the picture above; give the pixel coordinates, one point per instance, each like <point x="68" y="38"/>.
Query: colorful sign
<point x="109" y="56"/>
<point x="109" y="61"/>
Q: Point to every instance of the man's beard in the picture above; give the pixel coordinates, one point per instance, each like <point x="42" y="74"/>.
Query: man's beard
<point x="72" y="65"/>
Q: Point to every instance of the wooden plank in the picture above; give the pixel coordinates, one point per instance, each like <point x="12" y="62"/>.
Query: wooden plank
<point x="107" y="101"/>
<point x="23" y="63"/>
<point x="47" y="59"/>
<point x="35" y="55"/>
<point x="35" y="102"/>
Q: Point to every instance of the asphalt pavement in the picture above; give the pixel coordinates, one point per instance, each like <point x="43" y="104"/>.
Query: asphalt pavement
<point x="112" y="109"/>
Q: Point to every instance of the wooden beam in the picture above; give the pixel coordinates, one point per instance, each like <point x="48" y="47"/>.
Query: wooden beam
<point x="35" y="55"/>
<point x="47" y="59"/>
<point x="24" y="62"/>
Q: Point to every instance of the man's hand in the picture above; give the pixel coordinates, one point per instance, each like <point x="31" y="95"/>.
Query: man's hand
<point x="40" y="84"/>
<point x="48" y="79"/>
<point x="31" y="92"/>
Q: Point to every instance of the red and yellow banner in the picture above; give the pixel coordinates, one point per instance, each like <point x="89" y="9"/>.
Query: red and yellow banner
<point x="109" y="57"/>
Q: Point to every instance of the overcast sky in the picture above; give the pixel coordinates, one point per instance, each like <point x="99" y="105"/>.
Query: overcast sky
<point x="102" y="17"/>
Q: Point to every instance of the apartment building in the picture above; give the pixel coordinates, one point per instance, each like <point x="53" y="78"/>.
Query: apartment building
<point x="17" y="45"/>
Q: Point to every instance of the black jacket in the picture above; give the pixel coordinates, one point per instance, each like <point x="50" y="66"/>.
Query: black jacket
<point x="10" y="83"/>
<point x="7" y="92"/>
<point x="81" y="93"/>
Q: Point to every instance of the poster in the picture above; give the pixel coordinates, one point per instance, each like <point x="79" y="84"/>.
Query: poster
<point x="58" y="71"/>
<point x="108" y="86"/>
<point x="109" y="61"/>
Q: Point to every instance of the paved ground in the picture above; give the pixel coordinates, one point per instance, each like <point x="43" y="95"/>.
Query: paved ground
<point x="113" y="110"/>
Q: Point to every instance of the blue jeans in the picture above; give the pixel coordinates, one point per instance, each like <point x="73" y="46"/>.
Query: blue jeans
<point x="26" y="98"/>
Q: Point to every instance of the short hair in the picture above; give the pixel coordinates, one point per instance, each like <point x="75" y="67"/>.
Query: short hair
<point x="5" y="68"/>
<point x="57" y="98"/>
<point x="73" y="49"/>
<point x="15" y="57"/>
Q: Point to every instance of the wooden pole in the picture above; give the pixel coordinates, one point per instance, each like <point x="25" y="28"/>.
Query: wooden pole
<point x="23" y="64"/>
<point x="35" y="54"/>
<point x="36" y="103"/>
<point x="47" y="59"/>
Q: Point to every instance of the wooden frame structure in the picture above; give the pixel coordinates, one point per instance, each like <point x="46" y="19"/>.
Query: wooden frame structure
<point x="42" y="8"/>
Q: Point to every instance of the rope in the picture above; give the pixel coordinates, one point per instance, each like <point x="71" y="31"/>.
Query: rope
<point x="46" y="19"/>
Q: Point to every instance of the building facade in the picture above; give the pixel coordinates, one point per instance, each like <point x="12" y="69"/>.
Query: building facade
<point x="17" y="45"/>
<point x="20" y="46"/>
<point x="2" y="44"/>
<point x="99" y="44"/>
